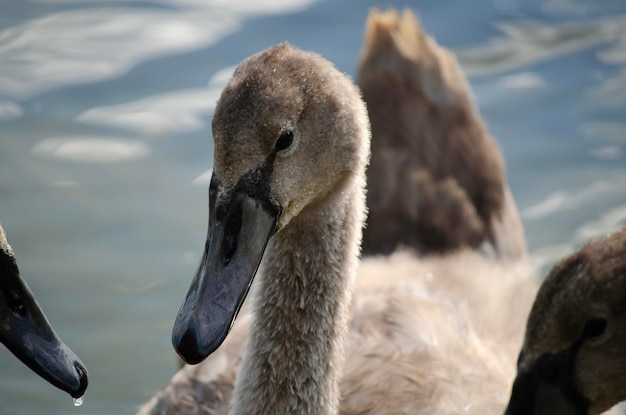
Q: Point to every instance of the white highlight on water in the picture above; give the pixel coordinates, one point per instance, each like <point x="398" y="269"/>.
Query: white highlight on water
<point x="78" y="401"/>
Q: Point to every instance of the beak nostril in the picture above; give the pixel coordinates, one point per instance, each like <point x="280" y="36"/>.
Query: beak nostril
<point x="231" y="233"/>
<point x="230" y="246"/>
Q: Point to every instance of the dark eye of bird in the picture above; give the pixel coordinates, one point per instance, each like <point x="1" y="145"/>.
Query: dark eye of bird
<point x="284" y="141"/>
<point x="594" y="327"/>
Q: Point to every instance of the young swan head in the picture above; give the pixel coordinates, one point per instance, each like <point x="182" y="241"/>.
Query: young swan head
<point x="573" y="360"/>
<point x="288" y="129"/>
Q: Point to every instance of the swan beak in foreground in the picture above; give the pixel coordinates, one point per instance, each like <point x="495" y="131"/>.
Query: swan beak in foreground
<point x="239" y="231"/>
<point x="547" y="388"/>
<point x="26" y="332"/>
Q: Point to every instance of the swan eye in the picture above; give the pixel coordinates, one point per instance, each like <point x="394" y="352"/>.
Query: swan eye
<point x="594" y="327"/>
<point x="284" y="141"/>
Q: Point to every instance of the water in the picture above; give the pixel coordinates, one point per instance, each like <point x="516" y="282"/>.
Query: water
<point x="78" y="401"/>
<point x="105" y="146"/>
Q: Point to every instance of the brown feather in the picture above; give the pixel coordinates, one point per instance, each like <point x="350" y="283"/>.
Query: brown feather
<point x="436" y="179"/>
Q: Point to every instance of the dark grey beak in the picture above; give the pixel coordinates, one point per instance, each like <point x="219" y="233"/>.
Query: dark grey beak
<point x="547" y="388"/>
<point x="239" y="231"/>
<point x="26" y="332"/>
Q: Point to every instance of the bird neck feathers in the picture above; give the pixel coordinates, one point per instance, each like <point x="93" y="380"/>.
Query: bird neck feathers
<point x="294" y="357"/>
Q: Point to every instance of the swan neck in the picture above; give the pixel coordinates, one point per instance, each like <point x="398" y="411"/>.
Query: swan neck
<point x="295" y="353"/>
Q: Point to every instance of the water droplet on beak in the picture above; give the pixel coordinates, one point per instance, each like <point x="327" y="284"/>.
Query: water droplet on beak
<point x="78" y="401"/>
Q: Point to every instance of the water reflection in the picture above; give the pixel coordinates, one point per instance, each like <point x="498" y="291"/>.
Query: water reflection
<point x="521" y="81"/>
<point x="9" y="110"/>
<point x="95" y="44"/>
<point x="88" y="45"/>
<point x="182" y="111"/>
<point x="241" y="6"/>
<point x="579" y="8"/>
<point x="608" y="222"/>
<point x="158" y="115"/>
<point x="561" y="200"/>
<point x="607" y="152"/>
<point x="606" y="131"/>
<point x="609" y="94"/>
<point x="91" y="149"/>
<point x="529" y="42"/>
<point x="204" y="179"/>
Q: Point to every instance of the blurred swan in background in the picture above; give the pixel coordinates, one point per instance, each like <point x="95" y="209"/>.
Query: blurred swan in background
<point x="436" y="180"/>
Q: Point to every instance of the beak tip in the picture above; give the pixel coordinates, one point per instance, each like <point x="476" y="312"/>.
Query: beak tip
<point x="188" y="345"/>
<point x="195" y="342"/>
<point x="83" y="380"/>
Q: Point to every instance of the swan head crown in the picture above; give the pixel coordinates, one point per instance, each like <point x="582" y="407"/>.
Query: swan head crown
<point x="286" y="116"/>
<point x="573" y="357"/>
<point x="288" y="130"/>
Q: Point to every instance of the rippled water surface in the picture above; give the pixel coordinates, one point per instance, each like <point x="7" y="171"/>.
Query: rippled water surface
<point x="105" y="145"/>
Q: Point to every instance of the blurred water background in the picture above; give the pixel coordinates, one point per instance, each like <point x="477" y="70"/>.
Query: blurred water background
<point x="105" y="145"/>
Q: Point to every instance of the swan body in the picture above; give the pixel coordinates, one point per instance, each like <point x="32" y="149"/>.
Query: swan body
<point x="26" y="332"/>
<point x="417" y="343"/>
<point x="421" y="335"/>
